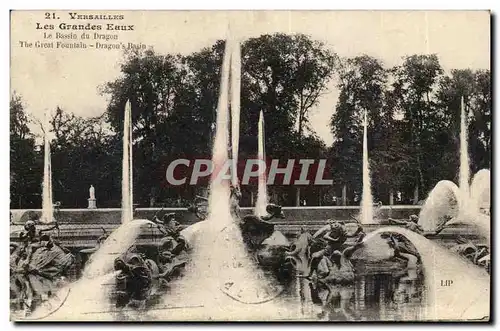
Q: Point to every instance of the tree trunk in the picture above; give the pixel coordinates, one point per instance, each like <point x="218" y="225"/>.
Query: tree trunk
<point x="488" y="151"/>
<point x="297" y="197"/>
<point x="420" y="172"/>
<point x="300" y="124"/>
<point x="415" y="196"/>
<point x="391" y="197"/>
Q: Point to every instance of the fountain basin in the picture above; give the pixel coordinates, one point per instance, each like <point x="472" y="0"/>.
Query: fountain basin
<point x="292" y="214"/>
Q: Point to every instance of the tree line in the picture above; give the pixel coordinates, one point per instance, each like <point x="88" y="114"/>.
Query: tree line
<point x="413" y="110"/>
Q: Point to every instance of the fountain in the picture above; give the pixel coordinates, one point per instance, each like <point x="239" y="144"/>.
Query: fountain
<point x="124" y="237"/>
<point x="262" y="198"/>
<point x="47" y="204"/>
<point x="465" y="298"/>
<point x="230" y="279"/>
<point x="452" y="204"/>
<point x="92" y="291"/>
<point x="366" y="199"/>
<point x="221" y="282"/>
<point x="219" y="245"/>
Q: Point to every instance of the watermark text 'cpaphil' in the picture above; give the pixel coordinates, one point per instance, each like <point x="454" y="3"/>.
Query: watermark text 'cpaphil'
<point x="249" y="171"/>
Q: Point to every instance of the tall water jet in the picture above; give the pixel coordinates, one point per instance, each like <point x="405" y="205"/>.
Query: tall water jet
<point x="219" y="254"/>
<point x="209" y="256"/>
<point x="366" y="199"/>
<point x="219" y="189"/>
<point x="47" y="202"/>
<point x="235" y="108"/>
<point x="262" y="198"/>
<point x="464" y="155"/>
<point x="127" y="179"/>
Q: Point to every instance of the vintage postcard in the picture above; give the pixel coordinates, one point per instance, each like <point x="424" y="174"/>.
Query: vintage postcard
<point x="250" y="166"/>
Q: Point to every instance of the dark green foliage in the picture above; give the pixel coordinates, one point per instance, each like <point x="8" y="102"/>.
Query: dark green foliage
<point x="414" y="125"/>
<point x="26" y="164"/>
<point x="413" y="110"/>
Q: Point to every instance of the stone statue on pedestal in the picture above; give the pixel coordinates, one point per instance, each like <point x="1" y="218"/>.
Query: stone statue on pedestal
<point x="92" y="202"/>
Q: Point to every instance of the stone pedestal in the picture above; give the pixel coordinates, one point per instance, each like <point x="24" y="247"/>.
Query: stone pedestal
<point x="92" y="204"/>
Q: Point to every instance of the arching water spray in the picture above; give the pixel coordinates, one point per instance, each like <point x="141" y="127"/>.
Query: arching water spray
<point x="118" y="242"/>
<point x="88" y="299"/>
<point x="262" y="198"/>
<point x="366" y="199"/>
<point x="47" y="202"/>
<point x="480" y="190"/>
<point x="446" y="205"/>
<point x="441" y="205"/>
<point x="127" y="179"/>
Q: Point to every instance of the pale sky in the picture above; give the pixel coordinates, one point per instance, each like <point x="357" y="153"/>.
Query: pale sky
<point x="47" y="78"/>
